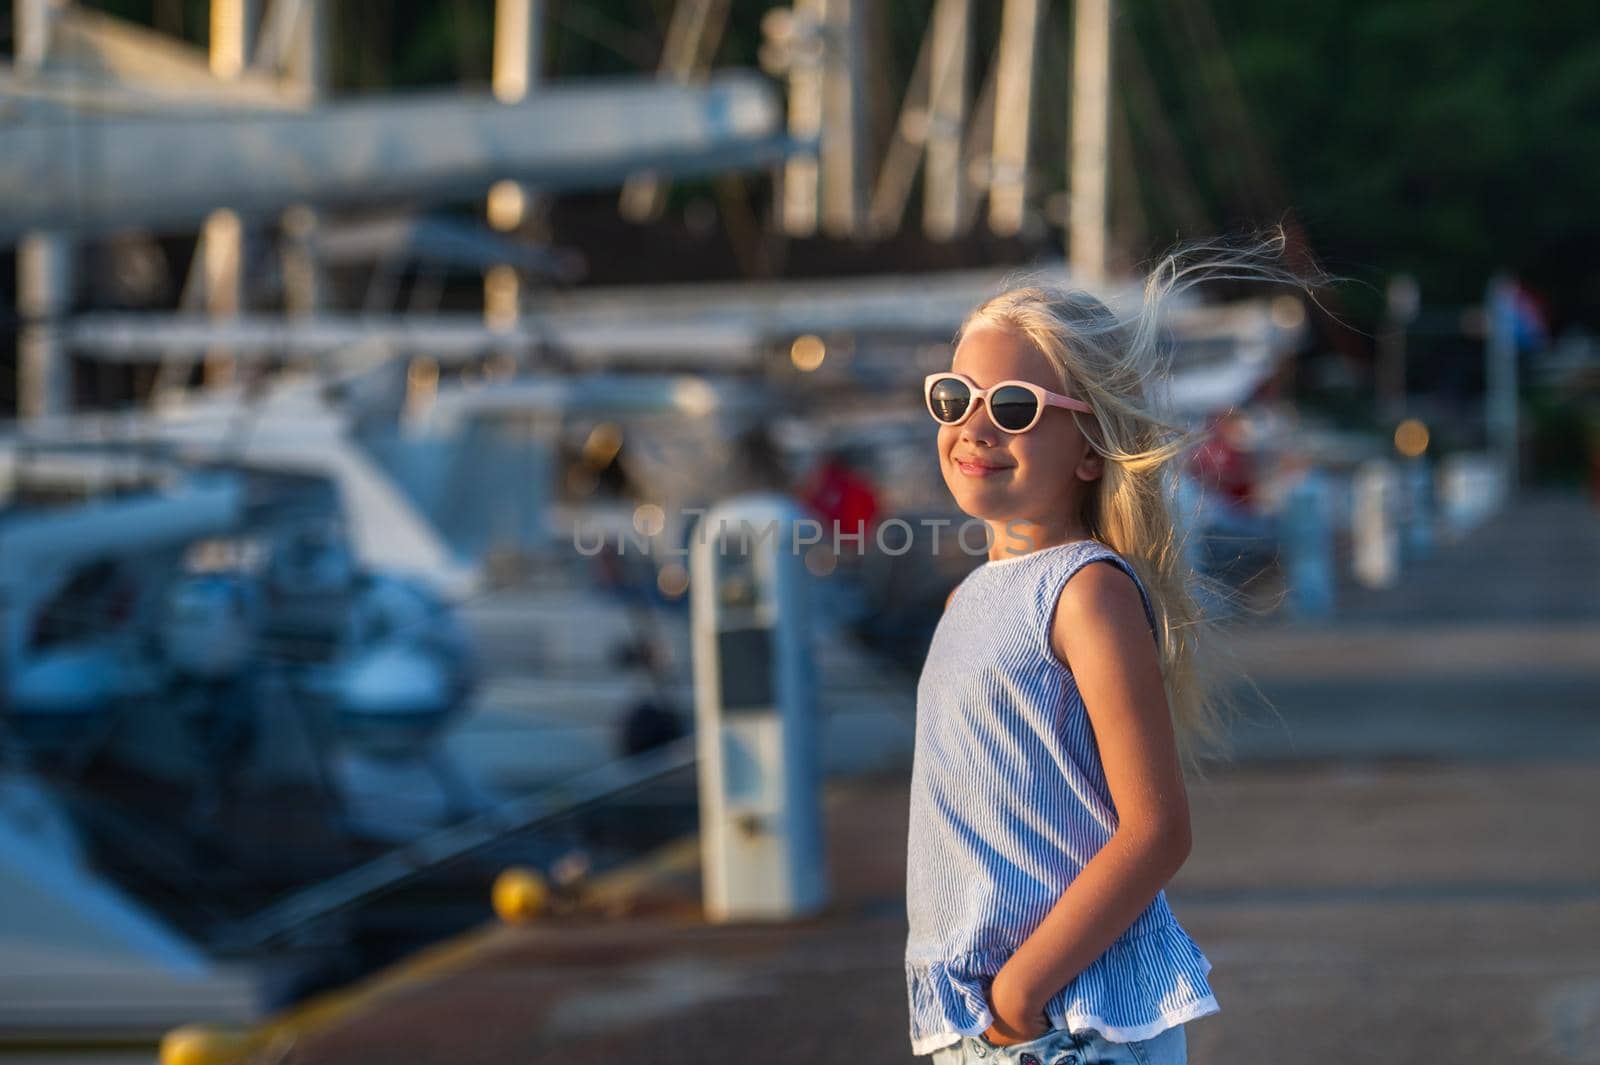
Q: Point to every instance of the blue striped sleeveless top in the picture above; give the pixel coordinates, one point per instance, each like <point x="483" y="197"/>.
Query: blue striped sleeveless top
<point x="1008" y="802"/>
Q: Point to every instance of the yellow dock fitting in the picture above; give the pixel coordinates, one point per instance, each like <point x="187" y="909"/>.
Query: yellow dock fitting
<point x="520" y="895"/>
<point x="198" y="1044"/>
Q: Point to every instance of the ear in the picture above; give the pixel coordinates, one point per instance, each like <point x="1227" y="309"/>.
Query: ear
<point x="1091" y="466"/>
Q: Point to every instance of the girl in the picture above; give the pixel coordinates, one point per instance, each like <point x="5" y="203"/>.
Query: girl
<point x="1047" y="795"/>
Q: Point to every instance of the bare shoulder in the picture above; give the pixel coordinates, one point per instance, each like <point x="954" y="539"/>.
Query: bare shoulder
<point x="1099" y="606"/>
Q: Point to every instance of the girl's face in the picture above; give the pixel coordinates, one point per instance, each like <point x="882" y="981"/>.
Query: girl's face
<point x="1037" y="476"/>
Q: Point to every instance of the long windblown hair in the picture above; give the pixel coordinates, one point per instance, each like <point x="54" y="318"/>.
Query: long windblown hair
<point x="1120" y="367"/>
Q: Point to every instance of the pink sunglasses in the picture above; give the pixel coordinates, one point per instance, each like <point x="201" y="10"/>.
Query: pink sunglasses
<point x="1015" y="406"/>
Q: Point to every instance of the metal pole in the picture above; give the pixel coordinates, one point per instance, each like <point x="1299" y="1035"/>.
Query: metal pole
<point x="1375" y="541"/>
<point x="1500" y="375"/>
<point x="1013" y="115"/>
<point x="222" y="240"/>
<point x="844" y="117"/>
<point x="801" y="174"/>
<point x="518" y="46"/>
<point x="1400" y="309"/>
<point x="904" y="154"/>
<point x="222" y="259"/>
<point x="944" y="181"/>
<point x="44" y="259"/>
<point x="233" y="30"/>
<point x="692" y="37"/>
<point x="32" y="32"/>
<point x="977" y="147"/>
<point x="44" y="286"/>
<point x="307" y="63"/>
<point x="1091" y="132"/>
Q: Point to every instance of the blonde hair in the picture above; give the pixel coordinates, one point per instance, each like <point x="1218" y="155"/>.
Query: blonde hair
<point x="1111" y="363"/>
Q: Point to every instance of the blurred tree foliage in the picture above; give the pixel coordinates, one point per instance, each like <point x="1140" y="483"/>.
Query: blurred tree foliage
<point x="1448" y="138"/>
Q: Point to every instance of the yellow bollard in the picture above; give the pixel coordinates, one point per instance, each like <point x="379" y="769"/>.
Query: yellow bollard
<point x="520" y="895"/>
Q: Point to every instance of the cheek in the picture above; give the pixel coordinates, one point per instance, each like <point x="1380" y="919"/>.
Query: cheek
<point x="952" y="477"/>
<point x="1044" y="459"/>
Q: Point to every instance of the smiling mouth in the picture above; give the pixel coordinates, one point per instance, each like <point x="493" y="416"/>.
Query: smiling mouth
<point x="979" y="469"/>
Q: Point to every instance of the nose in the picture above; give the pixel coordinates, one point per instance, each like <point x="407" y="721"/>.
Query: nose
<point x="978" y="426"/>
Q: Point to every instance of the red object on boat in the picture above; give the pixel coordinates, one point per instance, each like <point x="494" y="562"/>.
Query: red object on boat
<point x="1223" y="467"/>
<point x="840" y="498"/>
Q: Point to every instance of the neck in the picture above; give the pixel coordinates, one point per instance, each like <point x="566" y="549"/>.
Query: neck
<point x="1008" y="539"/>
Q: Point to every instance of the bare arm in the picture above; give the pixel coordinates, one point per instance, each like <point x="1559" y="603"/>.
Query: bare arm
<point x="1100" y="630"/>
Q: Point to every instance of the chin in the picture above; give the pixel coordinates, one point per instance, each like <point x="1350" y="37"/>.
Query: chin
<point x="979" y="504"/>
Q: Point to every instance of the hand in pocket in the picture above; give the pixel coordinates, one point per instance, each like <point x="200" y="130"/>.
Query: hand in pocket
<point x="1001" y="1033"/>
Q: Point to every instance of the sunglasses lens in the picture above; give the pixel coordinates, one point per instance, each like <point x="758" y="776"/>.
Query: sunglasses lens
<point x="1012" y="407"/>
<point x="948" y="400"/>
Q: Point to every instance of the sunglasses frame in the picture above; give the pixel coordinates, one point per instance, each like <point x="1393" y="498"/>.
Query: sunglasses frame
<point x="1043" y="398"/>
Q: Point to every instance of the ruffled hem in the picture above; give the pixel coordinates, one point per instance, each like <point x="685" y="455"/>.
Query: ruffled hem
<point x="1142" y="985"/>
<point x="1200" y="1008"/>
<point x="949" y="996"/>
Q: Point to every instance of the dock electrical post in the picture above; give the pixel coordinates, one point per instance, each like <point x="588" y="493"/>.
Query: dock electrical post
<point x="756" y="725"/>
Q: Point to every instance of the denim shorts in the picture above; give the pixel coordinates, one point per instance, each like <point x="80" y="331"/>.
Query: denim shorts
<point x="1061" y="1047"/>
